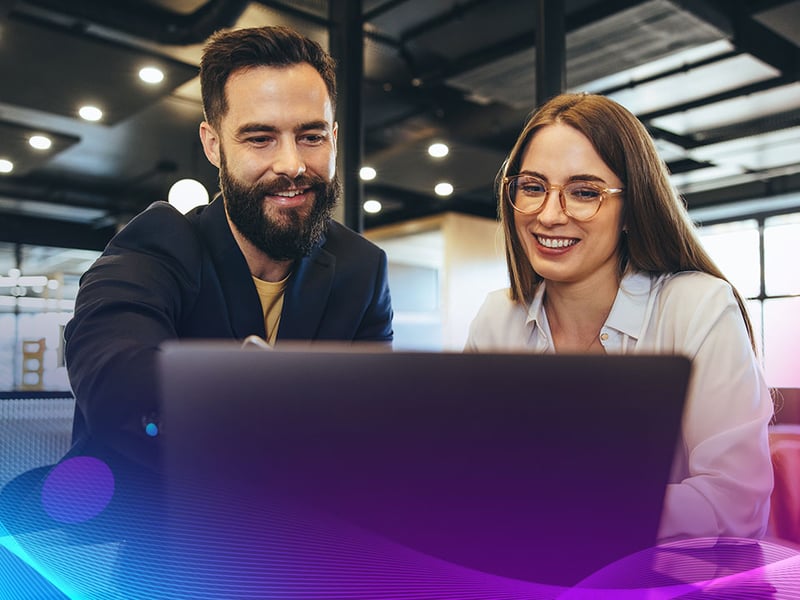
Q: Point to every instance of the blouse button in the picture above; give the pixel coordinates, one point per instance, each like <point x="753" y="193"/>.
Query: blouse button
<point x="604" y="336"/>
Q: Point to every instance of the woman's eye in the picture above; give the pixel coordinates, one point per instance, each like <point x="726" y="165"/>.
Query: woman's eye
<point x="532" y="188"/>
<point x="584" y="193"/>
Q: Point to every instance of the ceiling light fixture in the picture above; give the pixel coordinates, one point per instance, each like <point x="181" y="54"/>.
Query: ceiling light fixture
<point x="438" y="150"/>
<point x="151" y="75"/>
<point x="443" y="189"/>
<point x="6" y="166"/>
<point x="367" y="173"/>
<point x="90" y="113"/>
<point x="40" y="142"/>
<point x="372" y="207"/>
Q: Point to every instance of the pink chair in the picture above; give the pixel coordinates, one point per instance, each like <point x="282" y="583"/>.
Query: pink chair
<point x="784" y="518"/>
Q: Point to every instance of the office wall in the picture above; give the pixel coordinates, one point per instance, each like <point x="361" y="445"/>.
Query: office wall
<point x="440" y="270"/>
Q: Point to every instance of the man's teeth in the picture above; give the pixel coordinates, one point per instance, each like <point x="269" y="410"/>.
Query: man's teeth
<point x="289" y="193"/>
<point x="555" y="242"/>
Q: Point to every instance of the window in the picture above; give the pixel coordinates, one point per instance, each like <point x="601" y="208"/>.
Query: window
<point x="760" y="257"/>
<point x="38" y="285"/>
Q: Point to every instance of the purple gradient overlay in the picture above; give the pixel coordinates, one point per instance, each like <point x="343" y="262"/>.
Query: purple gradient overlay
<point x="77" y="490"/>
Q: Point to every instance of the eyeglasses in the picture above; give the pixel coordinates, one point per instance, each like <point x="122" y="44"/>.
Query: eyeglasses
<point x="579" y="199"/>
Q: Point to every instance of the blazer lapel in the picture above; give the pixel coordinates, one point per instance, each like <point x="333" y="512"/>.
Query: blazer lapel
<point x="241" y="298"/>
<point x="306" y="296"/>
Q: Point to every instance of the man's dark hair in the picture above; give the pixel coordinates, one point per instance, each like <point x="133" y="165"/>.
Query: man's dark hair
<point x="231" y="50"/>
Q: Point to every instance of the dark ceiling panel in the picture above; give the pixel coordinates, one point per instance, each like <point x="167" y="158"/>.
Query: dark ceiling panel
<point x="784" y="20"/>
<point x="459" y="71"/>
<point x="633" y="37"/>
<point x="41" y="59"/>
<point x="15" y="146"/>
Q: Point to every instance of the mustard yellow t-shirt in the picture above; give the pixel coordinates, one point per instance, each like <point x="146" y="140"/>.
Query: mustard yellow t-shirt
<point x="271" y="295"/>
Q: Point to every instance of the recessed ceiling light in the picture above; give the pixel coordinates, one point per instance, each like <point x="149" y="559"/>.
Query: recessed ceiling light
<point x="40" y="142"/>
<point x="90" y="113"/>
<point x="443" y="189"/>
<point x="438" y="150"/>
<point x="151" y="75"/>
<point x="367" y="173"/>
<point x="6" y="166"/>
<point x="372" y="207"/>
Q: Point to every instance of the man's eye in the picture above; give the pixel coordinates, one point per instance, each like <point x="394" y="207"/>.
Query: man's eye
<point x="258" y="140"/>
<point x="314" y="138"/>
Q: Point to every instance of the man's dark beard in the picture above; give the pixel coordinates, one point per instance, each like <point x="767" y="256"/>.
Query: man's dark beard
<point x="292" y="237"/>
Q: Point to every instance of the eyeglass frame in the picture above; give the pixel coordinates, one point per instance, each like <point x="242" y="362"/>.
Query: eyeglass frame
<point x="549" y="187"/>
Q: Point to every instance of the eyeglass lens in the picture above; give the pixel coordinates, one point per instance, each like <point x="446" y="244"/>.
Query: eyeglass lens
<point x="581" y="199"/>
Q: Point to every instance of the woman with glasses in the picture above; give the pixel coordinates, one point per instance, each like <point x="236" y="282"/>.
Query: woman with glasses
<point x="602" y="258"/>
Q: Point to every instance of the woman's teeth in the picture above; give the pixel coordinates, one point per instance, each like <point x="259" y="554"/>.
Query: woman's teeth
<point x="556" y="242"/>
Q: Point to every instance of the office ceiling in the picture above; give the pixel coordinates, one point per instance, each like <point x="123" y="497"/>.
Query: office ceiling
<point x="715" y="81"/>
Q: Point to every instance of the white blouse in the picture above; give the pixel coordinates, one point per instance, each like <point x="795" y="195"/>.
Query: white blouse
<point x="722" y="475"/>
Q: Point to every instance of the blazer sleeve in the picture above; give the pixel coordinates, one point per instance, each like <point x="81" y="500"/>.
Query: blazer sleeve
<point x="376" y="326"/>
<point x="129" y="302"/>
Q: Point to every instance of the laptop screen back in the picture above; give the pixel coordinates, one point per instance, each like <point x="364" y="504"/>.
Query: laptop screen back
<point x="519" y="467"/>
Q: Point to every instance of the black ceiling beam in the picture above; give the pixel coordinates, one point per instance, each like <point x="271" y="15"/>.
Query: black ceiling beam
<point x="758" y="126"/>
<point x="766" y="45"/>
<point x="112" y="199"/>
<point x="382" y="9"/>
<point x="520" y="42"/>
<point x="679" y="140"/>
<point x="435" y="78"/>
<point x="457" y="12"/>
<point x="754" y="7"/>
<point x="551" y="50"/>
<point x="409" y="199"/>
<point x="748" y="34"/>
<point x="347" y="48"/>
<point x="150" y="22"/>
<point x="435" y="206"/>
<point x="761" y="188"/>
<point x="289" y="9"/>
<point x="727" y="95"/>
<point x="485" y="56"/>
<point x="685" y="68"/>
<point x="36" y="231"/>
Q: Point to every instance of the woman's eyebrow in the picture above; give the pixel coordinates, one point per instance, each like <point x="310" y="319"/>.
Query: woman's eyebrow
<point x="578" y="177"/>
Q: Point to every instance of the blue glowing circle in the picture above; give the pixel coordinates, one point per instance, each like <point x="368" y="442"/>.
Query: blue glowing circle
<point x="151" y="429"/>
<point x="77" y="489"/>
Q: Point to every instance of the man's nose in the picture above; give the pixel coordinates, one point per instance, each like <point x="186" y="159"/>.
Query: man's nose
<point x="289" y="161"/>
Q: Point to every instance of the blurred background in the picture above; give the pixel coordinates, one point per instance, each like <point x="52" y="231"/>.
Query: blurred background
<point x="100" y="106"/>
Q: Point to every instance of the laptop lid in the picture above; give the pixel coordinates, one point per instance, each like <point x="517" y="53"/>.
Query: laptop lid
<point x="351" y="470"/>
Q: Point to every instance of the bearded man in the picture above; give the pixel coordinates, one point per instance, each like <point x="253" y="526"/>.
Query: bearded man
<point x="263" y="258"/>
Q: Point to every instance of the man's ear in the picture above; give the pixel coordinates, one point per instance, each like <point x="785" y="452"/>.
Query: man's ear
<point x="210" y="141"/>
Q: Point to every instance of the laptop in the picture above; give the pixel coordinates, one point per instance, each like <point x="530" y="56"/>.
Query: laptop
<point x="358" y="472"/>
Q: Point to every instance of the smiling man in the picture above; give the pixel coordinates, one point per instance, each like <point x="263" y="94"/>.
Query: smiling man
<point x="264" y="258"/>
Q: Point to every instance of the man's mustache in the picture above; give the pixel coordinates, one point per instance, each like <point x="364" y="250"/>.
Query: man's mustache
<point x="283" y="183"/>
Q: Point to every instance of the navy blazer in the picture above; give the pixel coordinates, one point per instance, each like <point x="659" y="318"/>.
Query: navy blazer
<point x="168" y="276"/>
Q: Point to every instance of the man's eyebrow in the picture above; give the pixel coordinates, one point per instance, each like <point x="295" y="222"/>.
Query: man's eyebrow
<point x="256" y="128"/>
<point x="265" y="128"/>
<point x="313" y="125"/>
